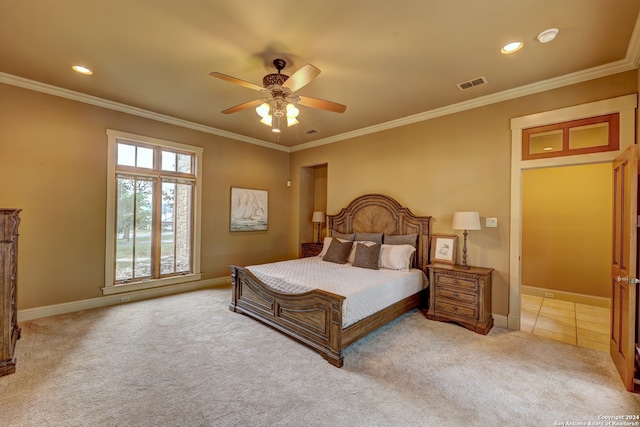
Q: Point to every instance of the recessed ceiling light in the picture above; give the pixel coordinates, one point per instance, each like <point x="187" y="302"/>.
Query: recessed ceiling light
<point x="547" y="35"/>
<point x="511" y="47"/>
<point x="82" y="70"/>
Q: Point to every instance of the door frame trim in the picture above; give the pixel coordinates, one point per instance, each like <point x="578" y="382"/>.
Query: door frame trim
<point x="625" y="105"/>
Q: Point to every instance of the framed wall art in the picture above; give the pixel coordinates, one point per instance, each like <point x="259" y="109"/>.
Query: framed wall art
<point x="444" y="248"/>
<point x="249" y="209"/>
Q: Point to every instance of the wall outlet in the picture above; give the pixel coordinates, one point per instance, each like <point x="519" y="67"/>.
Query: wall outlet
<point x="548" y="294"/>
<point x="491" y="222"/>
<point x="125" y="299"/>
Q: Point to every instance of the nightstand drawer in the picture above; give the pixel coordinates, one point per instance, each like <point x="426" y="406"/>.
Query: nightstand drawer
<point x="451" y="308"/>
<point x="456" y="296"/>
<point x="468" y="284"/>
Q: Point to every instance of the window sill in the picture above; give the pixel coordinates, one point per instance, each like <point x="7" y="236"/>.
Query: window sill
<point x="156" y="283"/>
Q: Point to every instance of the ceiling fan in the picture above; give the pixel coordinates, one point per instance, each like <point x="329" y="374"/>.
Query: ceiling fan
<point x="279" y="99"/>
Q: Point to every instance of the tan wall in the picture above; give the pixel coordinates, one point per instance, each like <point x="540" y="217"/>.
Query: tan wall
<point x="450" y="163"/>
<point x="566" y="229"/>
<point x="53" y="166"/>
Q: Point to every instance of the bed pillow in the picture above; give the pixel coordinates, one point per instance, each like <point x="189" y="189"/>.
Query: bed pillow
<point x="326" y="243"/>
<point x="367" y="256"/>
<point x="343" y="236"/>
<point x="338" y="252"/>
<point x="325" y="246"/>
<point x="370" y="237"/>
<point x="352" y="255"/>
<point x="396" y="257"/>
<point x="401" y="239"/>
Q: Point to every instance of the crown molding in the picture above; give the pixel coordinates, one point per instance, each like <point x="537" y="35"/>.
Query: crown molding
<point x="542" y="86"/>
<point x="633" y="49"/>
<point x="123" y="108"/>
<point x="630" y="62"/>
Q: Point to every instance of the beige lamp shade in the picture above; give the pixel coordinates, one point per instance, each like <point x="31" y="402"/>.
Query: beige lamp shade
<point x="466" y="221"/>
<point x="317" y="217"/>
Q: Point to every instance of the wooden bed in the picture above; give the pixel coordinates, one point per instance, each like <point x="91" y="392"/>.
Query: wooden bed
<point x="315" y="318"/>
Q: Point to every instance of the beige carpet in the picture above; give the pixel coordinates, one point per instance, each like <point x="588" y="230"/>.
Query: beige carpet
<point x="186" y="360"/>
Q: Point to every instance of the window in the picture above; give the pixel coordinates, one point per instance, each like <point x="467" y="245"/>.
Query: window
<point x="153" y="193"/>
<point x="584" y="136"/>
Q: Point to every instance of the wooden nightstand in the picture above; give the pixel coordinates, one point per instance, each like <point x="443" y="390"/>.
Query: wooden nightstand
<point x="311" y="249"/>
<point x="461" y="296"/>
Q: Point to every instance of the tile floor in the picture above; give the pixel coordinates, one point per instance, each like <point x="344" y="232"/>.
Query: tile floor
<point x="573" y="323"/>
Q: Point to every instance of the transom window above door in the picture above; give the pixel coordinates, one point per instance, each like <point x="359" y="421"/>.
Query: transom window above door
<point x="583" y="136"/>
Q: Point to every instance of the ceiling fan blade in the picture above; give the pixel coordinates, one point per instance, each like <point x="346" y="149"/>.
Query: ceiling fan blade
<point x="236" y="81"/>
<point x="244" y="106"/>
<point x="321" y="104"/>
<point x="302" y="77"/>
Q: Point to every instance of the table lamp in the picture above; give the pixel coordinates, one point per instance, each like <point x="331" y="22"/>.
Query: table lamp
<point x="318" y="218"/>
<point x="465" y="221"/>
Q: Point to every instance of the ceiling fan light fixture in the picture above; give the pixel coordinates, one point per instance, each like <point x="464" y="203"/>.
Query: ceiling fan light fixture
<point x="267" y="120"/>
<point x="292" y="111"/>
<point x="280" y="100"/>
<point x="263" y="109"/>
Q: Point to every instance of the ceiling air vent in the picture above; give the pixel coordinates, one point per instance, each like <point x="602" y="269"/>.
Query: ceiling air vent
<point x="472" y="83"/>
<point x="311" y="131"/>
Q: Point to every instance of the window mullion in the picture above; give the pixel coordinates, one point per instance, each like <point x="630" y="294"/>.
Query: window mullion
<point x="565" y="139"/>
<point x="156" y="241"/>
<point x="156" y="227"/>
<point x="135" y="228"/>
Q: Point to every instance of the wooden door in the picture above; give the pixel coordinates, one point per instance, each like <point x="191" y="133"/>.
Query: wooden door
<point x="624" y="266"/>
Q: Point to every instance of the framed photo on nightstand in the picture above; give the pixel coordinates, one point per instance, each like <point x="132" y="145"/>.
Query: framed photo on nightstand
<point x="444" y="248"/>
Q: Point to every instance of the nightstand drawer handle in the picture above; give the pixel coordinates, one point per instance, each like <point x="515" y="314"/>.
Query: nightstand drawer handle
<point x="456" y="295"/>
<point x="455" y="308"/>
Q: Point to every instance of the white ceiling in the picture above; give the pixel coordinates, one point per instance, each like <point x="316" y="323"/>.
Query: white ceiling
<point x="389" y="62"/>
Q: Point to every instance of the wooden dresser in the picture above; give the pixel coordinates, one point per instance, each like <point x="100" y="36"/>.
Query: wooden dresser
<point x="9" y="331"/>
<point x="461" y="296"/>
<point x="311" y="249"/>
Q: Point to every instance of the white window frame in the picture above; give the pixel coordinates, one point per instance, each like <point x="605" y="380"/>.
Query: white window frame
<point x="113" y="137"/>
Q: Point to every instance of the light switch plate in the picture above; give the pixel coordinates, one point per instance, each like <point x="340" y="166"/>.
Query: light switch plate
<point x="491" y="222"/>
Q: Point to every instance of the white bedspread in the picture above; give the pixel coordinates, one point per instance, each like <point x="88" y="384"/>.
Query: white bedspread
<point x="366" y="291"/>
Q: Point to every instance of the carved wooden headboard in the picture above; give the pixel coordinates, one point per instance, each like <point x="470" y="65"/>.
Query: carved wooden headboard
<point x="377" y="213"/>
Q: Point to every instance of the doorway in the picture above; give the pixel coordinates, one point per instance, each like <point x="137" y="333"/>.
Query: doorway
<point x="566" y="253"/>
<point x="313" y="198"/>
<point x="624" y="105"/>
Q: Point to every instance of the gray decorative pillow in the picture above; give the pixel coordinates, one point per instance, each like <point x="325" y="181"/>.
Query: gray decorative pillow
<point x="338" y="252"/>
<point x="370" y="237"/>
<point x="343" y="236"/>
<point x="367" y="256"/>
<point x="401" y="239"/>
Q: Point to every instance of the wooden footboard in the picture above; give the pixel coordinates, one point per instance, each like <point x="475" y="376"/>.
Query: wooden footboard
<point x="312" y="318"/>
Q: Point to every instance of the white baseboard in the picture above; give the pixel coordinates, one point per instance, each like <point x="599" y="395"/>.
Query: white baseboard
<point x="513" y="322"/>
<point x="500" y="320"/>
<point x="104" y="301"/>
<point x="566" y="296"/>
